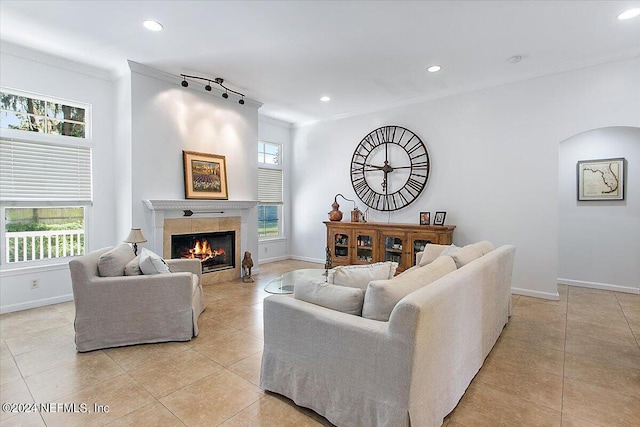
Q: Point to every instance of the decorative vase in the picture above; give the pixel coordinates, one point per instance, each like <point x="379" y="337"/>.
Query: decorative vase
<point x="335" y="214"/>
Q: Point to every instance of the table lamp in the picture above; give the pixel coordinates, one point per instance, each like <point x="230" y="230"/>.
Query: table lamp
<point x="135" y="237"/>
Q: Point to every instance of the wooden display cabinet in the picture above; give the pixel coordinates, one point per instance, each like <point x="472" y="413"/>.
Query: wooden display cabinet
<point x="366" y="242"/>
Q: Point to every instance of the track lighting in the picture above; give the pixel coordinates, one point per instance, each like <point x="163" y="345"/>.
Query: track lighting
<point x="219" y="81"/>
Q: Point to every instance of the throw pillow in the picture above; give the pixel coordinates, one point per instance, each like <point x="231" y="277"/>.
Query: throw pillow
<point x="133" y="267"/>
<point x="341" y="298"/>
<point x="359" y="276"/>
<point x="113" y="262"/>
<point x="152" y="263"/>
<point x="465" y="255"/>
<point x="431" y="252"/>
<point x="383" y="295"/>
<point x="450" y="249"/>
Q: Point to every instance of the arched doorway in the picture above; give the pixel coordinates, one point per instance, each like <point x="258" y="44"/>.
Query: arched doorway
<point x="599" y="241"/>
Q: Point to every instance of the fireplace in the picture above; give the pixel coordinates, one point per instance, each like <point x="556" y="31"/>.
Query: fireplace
<point x="216" y="250"/>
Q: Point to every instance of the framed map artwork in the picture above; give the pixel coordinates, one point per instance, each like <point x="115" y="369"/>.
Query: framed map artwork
<point x="601" y="179"/>
<point x="205" y="176"/>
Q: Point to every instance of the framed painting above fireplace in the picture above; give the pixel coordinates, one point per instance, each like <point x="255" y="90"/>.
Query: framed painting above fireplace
<point x="205" y="176"/>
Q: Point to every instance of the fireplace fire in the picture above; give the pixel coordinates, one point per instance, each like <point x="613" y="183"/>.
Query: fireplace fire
<point x="215" y="250"/>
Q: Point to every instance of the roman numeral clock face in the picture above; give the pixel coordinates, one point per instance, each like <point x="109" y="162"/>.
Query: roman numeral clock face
<point x="389" y="168"/>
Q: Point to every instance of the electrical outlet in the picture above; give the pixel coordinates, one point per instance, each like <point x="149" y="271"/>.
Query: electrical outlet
<point x="35" y="283"/>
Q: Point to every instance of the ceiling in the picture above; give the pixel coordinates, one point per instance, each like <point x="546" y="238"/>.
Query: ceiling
<point x="365" y="55"/>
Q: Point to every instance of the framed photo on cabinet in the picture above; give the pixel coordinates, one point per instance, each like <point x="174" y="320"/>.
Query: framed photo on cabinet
<point x="425" y="218"/>
<point x="439" y="218"/>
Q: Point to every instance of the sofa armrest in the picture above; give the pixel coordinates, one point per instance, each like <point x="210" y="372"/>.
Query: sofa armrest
<point x="458" y="319"/>
<point x="355" y="357"/>
<point x="185" y="265"/>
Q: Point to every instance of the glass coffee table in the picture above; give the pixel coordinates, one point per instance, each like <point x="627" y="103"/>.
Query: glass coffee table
<point x="284" y="284"/>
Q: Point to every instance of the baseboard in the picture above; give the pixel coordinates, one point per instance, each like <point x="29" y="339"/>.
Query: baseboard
<point x="603" y="286"/>
<point x="302" y="258"/>
<point x="536" y="294"/>
<point x="273" y="259"/>
<point x="37" y="303"/>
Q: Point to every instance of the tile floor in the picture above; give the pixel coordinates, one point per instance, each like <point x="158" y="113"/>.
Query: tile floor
<point x="573" y="362"/>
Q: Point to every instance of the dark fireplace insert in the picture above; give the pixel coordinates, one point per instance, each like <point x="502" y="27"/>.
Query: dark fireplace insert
<point x="216" y="250"/>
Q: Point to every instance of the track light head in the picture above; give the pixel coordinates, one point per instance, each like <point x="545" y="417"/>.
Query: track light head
<point x="208" y="87"/>
<point x="185" y="83"/>
<point x="241" y="102"/>
<point x="225" y="95"/>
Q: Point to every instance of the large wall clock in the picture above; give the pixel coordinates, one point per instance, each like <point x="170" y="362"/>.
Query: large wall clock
<point x="389" y="168"/>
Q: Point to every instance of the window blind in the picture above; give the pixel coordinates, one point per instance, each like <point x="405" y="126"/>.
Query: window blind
<point x="269" y="186"/>
<point x="33" y="171"/>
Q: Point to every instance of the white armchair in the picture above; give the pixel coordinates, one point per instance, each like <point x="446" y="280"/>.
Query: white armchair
<point x="126" y="310"/>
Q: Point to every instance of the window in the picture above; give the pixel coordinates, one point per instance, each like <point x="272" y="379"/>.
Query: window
<point x="268" y="153"/>
<point x="268" y="221"/>
<point x="40" y="233"/>
<point x="41" y="115"/>
<point x="45" y="177"/>
<point x="270" y="190"/>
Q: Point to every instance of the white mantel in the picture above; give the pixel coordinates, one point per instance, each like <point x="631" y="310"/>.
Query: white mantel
<point x="164" y="209"/>
<point x="198" y="205"/>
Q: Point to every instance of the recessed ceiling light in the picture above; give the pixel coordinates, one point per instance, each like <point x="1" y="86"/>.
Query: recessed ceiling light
<point x="515" y="59"/>
<point x="434" y="68"/>
<point x="325" y="99"/>
<point x="152" y="25"/>
<point x="631" y="13"/>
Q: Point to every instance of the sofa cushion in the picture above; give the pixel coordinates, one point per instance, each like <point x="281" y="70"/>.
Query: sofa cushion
<point x="383" y="295"/>
<point x="133" y="267"/>
<point x="341" y="298"/>
<point x="431" y="252"/>
<point x="359" y="276"/>
<point x="484" y="247"/>
<point x="152" y="263"/>
<point x="113" y="262"/>
<point x="465" y="255"/>
<point x="409" y="270"/>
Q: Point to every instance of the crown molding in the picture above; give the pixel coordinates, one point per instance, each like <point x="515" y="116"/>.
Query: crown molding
<point x="275" y="122"/>
<point x="24" y="52"/>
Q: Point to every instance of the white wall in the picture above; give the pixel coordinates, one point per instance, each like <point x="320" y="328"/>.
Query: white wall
<point x="123" y="168"/>
<point x="599" y="242"/>
<point x="494" y="157"/>
<point x="31" y="71"/>
<point x="167" y="119"/>
<point x="277" y="131"/>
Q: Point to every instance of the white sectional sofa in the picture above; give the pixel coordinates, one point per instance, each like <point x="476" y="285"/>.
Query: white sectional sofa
<point x="408" y="371"/>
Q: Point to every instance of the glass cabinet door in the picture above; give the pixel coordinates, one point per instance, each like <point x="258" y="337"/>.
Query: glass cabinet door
<point x="341" y="246"/>
<point x="393" y="248"/>
<point x="364" y="247"/>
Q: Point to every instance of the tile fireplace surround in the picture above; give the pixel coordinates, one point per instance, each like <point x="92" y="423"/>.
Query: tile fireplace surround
<point x="208" y="216"/>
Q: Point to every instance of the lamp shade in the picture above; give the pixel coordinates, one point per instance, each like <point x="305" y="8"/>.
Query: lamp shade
<point x="135" y="236"/>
